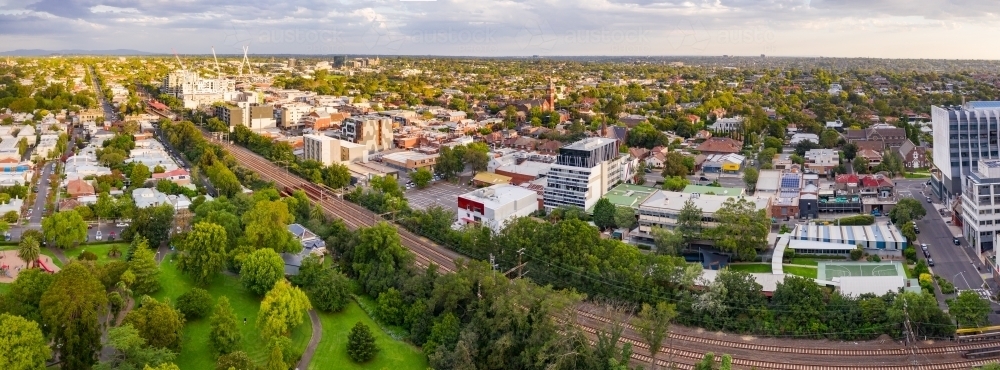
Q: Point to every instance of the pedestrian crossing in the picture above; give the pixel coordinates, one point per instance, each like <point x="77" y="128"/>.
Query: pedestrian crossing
<point x="983" y="293"/>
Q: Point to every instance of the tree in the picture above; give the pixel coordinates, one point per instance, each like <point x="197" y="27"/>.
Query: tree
<point x="71" y="308"/>
<point x="281" y="310"/>
<point x="361" y="345"/>
<point x="195" y="303"/>
<point x="331" y="293"/>
<point x="653" y="325"/>
<point x="604" y="213"/>
<point x="140" y="173"/>
<point x="640" y="173"/>
<point x="477" y="160"/>
<point x="151" y="223"/>
<point x="690" y="220"/>
<point x="158" y="323"/>
<point x="203" y="252"/>
<point x="969" y="310"/>
<point x="237" y="360"/>
<point x="860" y="165"/>
<point x="336" y="176"/>
<point x="389" y="307"/>
<point x="906" y="210"/>
<point x="22" y="344"/>
<point x="132" y="351"/>
<point x="147" y="271"/>
<point x="750" y="176"/>
<point x="742" y="228"/>
<point x="266" y="226"/>
<point x="670" y="242"/>
<point x="850" y="151"/>
<point x="275" y="357"/>
<point x="261" y="269"/>
<point x="25" y="294"/>
<point x="829" y="138"/>
<point x="225" y="336"/>
<point x="159" y="169"/>
<point x="675" y="183"/>
<point x="28" y="250"/>
<point x="105" y="206"/>
<point x="625" y="217"/>
<point x="422" y="177"/>
<point x="65" y="229"/>
<point x="676" y="164"/>
<point x="378" y="258"/>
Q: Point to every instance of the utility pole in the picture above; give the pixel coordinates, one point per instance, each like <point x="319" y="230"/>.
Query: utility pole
<point x="911" y="339"/>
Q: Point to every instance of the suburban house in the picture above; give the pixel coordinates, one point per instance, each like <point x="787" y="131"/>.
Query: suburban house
<point x="78" y="188"/>
<point x="720" y="145"/>
<point x="178" y="176"/>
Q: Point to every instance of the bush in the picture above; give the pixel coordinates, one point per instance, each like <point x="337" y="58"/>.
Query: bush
<point x="361" y="345"/>
<point x="789" y="254"/>
<point x="946" y="286"/>
<point x="920" y="268"/>
<point x="856" y="254"/>
<point x="874" y="258"/>
<point x="859" y="220"/>
<point x="10" y="217"/>
<point x="195" y="303"/>
<point x="910" y="254"/>
<point x="87" y="256"/>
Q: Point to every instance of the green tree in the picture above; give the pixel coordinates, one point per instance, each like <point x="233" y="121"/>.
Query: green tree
<point x="147" y="271"/>
<point x="389" y="307"/>
<point x="132" y="351"/>
<point x="65" y="229"/>
<point x="850" y="151"/>
<point x="750" y="176"/>
<point x="690" y="220"/>
<point x="422" y="177"/>
<point x="336" y="176"/>
<point x="282" y="310"/>
<point x="72" y="308"/>
<point x="378" y="258"/>
<point x="860" y="165"/>
<point x="275" y="357"/>
<point x="203" y="252"/>
<point x="237" y="360"/>
<point x="604" y="213"/>
<point x="742" y="228"/>
<point x="969" y="310"/>
<point x="361" y="346"/>
<point x="829" y="138"/>
<point x="906" y="210"/>
<point x="677" y="164"/>
<point x="266" y="226"/>
<point x="158" y="323"/>
<point x="25" y="294"/>
<point x="140" y="173"/>
<point x="261" y="269"/>
<point x="625" y="217"/>
<point x="195" y="303"/>
<point x="331" y="293"/>
<point x="151" y="223"/>
<point x="225" y="336"/>
<point x="653" y="325"/>
<point x="22" y="344"/>
<point x="670" y="242"/>
<point x="105" y="206"/>
<point x="28" y="250"/>
<point x="675" y="183"/>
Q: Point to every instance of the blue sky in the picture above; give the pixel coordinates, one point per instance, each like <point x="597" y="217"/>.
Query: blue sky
<point x="949" y="29"/>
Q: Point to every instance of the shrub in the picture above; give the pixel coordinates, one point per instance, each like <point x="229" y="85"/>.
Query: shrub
<point x="874" y="258"/>
<point x="859" y="220"/>
<point x="10" y="217"/>
<point x="856" y="254"/>
<point x="910" y="253"/>
<point x="195" y="303"/>
<point x="361" y="345"/>
<point x="87" y="256"/>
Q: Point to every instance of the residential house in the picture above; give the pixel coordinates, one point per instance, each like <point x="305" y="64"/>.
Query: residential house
<point x="656" y="159"/>
<point x="874" y="158"/>
<point x="178" y="176"/>
<point x="78" y="187"/>
<point x="720" y="145"/>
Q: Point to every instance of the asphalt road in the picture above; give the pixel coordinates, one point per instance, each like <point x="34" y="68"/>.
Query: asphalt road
<point x="42" y="182"/>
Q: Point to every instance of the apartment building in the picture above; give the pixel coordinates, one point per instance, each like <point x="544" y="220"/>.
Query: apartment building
<point x="194" y="90"/>
<point x="496" y="206"/>
<point x="372" y="131"/>
<point x="252" y="115"/>
<point x="962" y="136"/>
<point x="981" y="205"/>
<point x="328" y="150"/>
<point x="584" y="171"/>
<point x="662" y="208"/>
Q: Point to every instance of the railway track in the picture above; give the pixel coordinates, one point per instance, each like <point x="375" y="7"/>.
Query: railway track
<point x="687" y="350"/>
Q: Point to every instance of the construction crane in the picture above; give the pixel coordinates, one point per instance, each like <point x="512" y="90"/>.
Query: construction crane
<point x="246" y="61"/>
<point x="218" y="74"/>
<point x="178" y="59"/>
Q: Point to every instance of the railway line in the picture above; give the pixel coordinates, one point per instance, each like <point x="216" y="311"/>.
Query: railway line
<point x="686" y="349"/>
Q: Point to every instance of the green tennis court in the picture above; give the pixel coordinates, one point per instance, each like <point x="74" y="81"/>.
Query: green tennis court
<point x="832" y="269"/>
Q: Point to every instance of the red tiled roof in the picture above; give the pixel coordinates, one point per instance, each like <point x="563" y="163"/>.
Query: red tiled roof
<point x="176" y="172"/>
<point x="847" y="179"/>
<point x="869" y="182"/>
<point x="720" y="145"/>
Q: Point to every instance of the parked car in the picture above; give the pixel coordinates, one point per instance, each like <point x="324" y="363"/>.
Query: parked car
<point x="98" y="236"/>
<point x="956" y="241"/>
<point x="930" y="262"/>
<point x="122" y="224"/>
<point x="927" y="254"/>
<point x="923" y="246"/>
<point x="703" y="178"/>
<point x="928" y="199"/>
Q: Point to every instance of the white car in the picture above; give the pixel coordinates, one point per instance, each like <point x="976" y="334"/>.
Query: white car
<point x="98" y="236"/>
<point x="122" y="224"/>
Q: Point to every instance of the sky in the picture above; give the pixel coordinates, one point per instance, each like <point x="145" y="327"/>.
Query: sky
<point x="935" y="29"/>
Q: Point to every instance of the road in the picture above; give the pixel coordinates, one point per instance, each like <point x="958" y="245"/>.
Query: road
<point x="956" y="263"/>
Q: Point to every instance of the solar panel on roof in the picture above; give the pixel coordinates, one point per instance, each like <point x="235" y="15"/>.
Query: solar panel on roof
<point x="790" y="182"/>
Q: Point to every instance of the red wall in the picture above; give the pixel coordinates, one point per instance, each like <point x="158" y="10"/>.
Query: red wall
<point x="470" y="205"/>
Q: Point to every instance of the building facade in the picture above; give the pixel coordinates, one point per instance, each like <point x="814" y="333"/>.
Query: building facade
<point x="583" y="172"/>
<point x="981" y="205"/>
<point x="372" y="131"/>
<point x="328" y="150"/>
<point x="496" y="206"/>
<point x="194" y="90"/>
<point x="962" y="136"/>
<point x="251" y="115"/>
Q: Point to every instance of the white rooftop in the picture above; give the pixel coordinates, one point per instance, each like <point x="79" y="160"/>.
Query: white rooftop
<point x="674" y="201"/>
<point x="497" y="195"/>
<point x="877" y="285"/>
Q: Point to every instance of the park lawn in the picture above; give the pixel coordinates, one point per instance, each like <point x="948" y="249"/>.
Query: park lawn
<point x="101" y="250"/>
<point x="808" y="272"/>
<point x="331" y="353"/>
<point x="4" y="288"/>
<point x="196" y="353"/>
<point x="750" y="267"/>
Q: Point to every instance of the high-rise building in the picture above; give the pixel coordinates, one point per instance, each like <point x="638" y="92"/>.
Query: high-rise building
<point x="962" y="136"/>
<point x="291" y="62"/>
<point x="194" y="90"/>
<point x="328" y="150"/>
<point x="981" y="204"/>
<point x="372" y="131"/>
<point x="252" y="115"/>
<point x="584" y="171"/>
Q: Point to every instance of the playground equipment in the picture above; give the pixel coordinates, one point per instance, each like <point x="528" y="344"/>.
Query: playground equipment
<point x="44" y="267"/>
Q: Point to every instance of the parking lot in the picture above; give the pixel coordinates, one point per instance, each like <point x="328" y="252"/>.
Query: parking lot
<point x="440" y="193"/>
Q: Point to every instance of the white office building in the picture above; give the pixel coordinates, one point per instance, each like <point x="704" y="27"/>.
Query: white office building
<point x="727" y="124"/>
<point x="496" y="206"/>
<point x="962" y="136"/>
<point x="584" y="171"/>
<point x="981" y="205"/>
<point x="194" y="90"/>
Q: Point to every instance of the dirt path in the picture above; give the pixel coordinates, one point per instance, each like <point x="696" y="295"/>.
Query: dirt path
<point x="317" y="334"/>
<point x="59" y="254"/>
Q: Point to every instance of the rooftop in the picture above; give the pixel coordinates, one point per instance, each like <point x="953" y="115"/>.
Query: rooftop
<point x="497" y="195"/>
<point x="674" y="201"/>
<point x="703" y="189"/>
<point x="628" y="195"/>
<point x="589" y="143"/>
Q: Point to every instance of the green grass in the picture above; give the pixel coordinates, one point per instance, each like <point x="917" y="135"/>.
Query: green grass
<point x="808" y="272"/>
<point x="917" y="175"/>
<point x="331" y="353"/>
<point x="53" y="257"/>
<point x="751" y="267"/>
<point x="4" y="288"/>
<point x="814" y="261"/>
<point x="196" y="353"/>
<point x="101" y="250"/>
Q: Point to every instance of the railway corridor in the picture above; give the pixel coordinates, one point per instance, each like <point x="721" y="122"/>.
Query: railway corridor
<point x="684" y="350"/>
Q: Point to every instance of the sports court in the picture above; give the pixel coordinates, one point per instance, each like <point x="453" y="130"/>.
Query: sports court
<point x="833" y="269"/>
